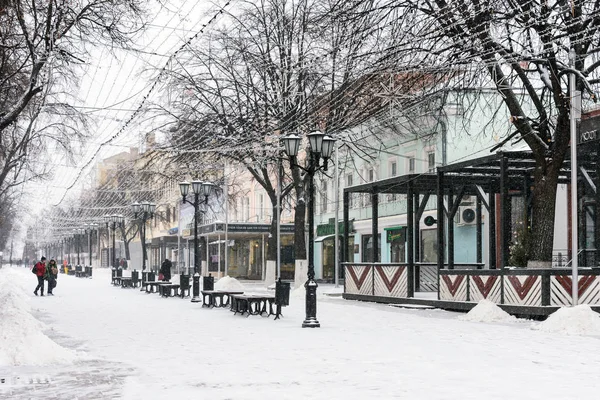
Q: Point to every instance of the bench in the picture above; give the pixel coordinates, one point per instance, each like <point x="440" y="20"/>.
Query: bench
<point x="209" y="297"/>
<point x="126" y="282"/>
<point x="169" y="289"/>
<point x="153" y="287"/>
<point x="252" y="304"/>
<point x="147" y="277"/>
<point x="117" y="274"/>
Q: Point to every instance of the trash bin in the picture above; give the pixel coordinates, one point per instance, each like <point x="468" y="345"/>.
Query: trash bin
<point x="208" y="283"/>
<point x="282" y="293"/>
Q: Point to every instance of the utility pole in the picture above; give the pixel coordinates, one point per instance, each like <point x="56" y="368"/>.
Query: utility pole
<point x="574" y="201"/>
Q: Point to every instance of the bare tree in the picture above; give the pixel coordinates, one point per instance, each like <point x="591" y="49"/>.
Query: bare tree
<point x="278" y="68"/>
<point x="42" y="43"/>
<point x="519" y="48"/>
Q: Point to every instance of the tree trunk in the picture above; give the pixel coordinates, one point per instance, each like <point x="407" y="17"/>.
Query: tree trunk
<point x="127" y="253"/>
<point x="300" y="230"/>
<point x="272" y="242"/>
<point x="543" y="209"/>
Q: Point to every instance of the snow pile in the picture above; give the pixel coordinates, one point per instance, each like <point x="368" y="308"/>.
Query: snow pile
<point x="22" y="338"/>
<point x="229" y="284"/>
<point x="487" y="311"/>
<point x="579" y="320"/>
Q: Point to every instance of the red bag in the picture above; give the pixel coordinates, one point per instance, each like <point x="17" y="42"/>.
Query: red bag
<point x="161" y="277"/>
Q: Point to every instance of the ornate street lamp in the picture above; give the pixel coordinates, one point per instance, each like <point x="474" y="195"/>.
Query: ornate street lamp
<point x="143" y="212"/>
<point x="77" y="232"/>
<point x="112" y="221"/>
<point x="90" y="228"/>
<point x="321" y="147"/>
<point x="198" y="189"/>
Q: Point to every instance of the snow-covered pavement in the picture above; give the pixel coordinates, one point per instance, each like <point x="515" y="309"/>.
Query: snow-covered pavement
<point x="123" y="344"/>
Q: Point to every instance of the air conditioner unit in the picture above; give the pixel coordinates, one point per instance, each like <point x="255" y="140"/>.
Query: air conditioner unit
<point x="466" y="215"/>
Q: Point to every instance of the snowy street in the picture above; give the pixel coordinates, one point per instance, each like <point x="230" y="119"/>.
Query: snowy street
<point x="115" y="343"/>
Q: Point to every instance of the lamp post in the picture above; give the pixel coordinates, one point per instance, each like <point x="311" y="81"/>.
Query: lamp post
<point x="112" y="221"/>
<point x="321" y="147"/>
<point x="143" y="212"/>
<point x="78" y="232"/>
<point x="199" y="189"/>
<point x="89" y="229"/>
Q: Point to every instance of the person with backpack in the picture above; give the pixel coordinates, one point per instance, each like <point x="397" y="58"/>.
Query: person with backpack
<point x="39" y="269"/>
<point x="51" y="275"/>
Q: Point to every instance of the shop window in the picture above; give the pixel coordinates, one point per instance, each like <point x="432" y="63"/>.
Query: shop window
<point x="367" y="248"/>
<point x="429" y="245"/>
<point x="397" y="240"/>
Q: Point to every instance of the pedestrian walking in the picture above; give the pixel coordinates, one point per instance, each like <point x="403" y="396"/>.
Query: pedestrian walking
<point x="39" y="269"/>
<point x="51" y="275"/>
<point x="165" y="269"/>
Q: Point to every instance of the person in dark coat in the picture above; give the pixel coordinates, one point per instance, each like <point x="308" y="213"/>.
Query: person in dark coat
<point x="39" y="269"/>
<point x="165" y="269"/>
<point x="51" y="275"/>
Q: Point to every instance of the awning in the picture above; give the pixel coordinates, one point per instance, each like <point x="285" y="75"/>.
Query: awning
<point x="321" y="238"/>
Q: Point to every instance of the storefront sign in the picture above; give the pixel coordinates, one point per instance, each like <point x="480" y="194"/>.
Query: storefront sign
<point x="589" y="130"/>
<point x="173" y="231"/>
<point x="396" y="234"/>
<point x="256" y="228"/>
<point x="329" y="229"/>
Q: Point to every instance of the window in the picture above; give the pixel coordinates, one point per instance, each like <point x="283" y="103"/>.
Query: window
<point x="411" y="165"/>
<point x="431" y="162"/>
<point x="367" y="248"/>
<point x="324" y="197"/>
<point x="351" y="195"/>
<point x="429" y="245"/>
<point x="261" y="207"/>
<point x="367" y="196"/>
<point x="393" y="172"/>
<point x="246" y="209"/>
<point x="168" y="214"/>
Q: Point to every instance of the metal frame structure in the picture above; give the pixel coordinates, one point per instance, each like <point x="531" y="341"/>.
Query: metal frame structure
<point x="492" y="179"/>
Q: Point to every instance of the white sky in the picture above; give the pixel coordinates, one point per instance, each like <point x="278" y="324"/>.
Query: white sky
<point x="113" y="86"/>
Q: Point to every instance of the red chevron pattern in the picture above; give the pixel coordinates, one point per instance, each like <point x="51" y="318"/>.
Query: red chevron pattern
<point x="522" y="289"/>
<point x="390" y="284"/>
<point x="453" y="286"/>
<point x="485" y="288"/>
<point x="358" y="281"/>
<point x="567" y="283"/>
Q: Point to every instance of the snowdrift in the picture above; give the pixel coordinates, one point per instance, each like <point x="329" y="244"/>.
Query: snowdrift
<point x="578" y="320"/>
<point x="487" y="311"/>
<point x="229" y="283"/>
<point x="22" y="337"/>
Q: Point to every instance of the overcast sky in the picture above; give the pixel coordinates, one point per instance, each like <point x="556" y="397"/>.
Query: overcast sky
<point x="113" y="85"/>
